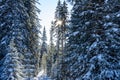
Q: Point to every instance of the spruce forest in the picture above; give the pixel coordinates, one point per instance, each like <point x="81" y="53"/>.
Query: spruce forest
<point x="83" y="42"/>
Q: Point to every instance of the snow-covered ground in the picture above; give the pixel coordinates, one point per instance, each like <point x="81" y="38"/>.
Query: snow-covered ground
<point x="42" y="76"/>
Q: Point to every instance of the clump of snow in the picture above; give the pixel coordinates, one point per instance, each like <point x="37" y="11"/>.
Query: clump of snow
<point x="107" y="17"/>
<point x="75" y="33"/>
<point x="2" y="24"/>
<point x="100" y="57"/>
<point x="40" y="73"/>
<point x="85" y="12"/>
<point x="108" y="24"/>
<point x="3" y="41"/>
<point x="115" y="29"/>
<point x="87" y="23"/>
<point x="77" y="6"/>
<point x="106" y="1"/>
<point x="42" y="76"/>
<point x="118" y="15"/>
<point x="87" y="75"/>
<point x="93" y="46"/>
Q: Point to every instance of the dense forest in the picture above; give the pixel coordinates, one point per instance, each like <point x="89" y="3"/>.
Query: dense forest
<point x="84" y="42"/>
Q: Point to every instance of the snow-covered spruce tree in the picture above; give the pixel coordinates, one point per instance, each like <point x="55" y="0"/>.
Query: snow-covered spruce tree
<point x="63" y="40"/>
<point x="32" y="56"/>
<point x="58" y="10"/>
<point x="43" y="53"/>
<point x="94" y="41"/>
<point x="44" y="44"/>
<point x="13" y="21"/>
<point x="51" y="52"/>
<point x="60" y="29"/>
<point x="12" y="66"/>
<point x="4" y="27"/>
<point x="43" y="50"/>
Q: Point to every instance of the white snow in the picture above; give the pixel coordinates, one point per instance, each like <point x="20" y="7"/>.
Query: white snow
<point x="107" y="17"/>
<point x="77" y="6"/>
<point x="75" y="33"/>
<point x="87" y="75"/>
<point x="100" y="57"/>
<point x="118" y="15"/>
<point x="115" y="29"/>
<point x="42" y="76"/>
<point x="106" y="1"/>
<point x="10" y="70"/>
<point x="87" y="23"/>
<point x="93" y="46"/>
<point x="3" y="42"/>
<point x="40" y="73"/>
<point x="2" y="24"/>
<point x="85" y="12"/>
<point x="108" y="24"/>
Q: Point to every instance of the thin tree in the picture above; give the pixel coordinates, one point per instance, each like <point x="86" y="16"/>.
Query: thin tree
<point x="44" y="44"/>
<point x="60" y="30"/>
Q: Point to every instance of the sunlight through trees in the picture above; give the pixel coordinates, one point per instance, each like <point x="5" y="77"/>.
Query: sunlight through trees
<point x="84" y="45"/>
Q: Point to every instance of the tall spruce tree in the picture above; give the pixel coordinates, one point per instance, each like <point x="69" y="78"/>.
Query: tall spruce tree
<point x="32" y="52"/>
<point x="51" y="52"/>
<point x="60" y="31"/>
<point x="93" y="42"/>
<point x="16" y="24"/>
<point x="64" y="14"/>
<point x="44" y="52"/>
<point x="58" y="10"/>
<point x="12" y="25"/>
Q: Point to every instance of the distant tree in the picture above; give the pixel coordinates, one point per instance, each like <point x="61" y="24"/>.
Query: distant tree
<point x="44" y="44"/>
<point x="64" y="12"/>
<point x="52" y="31"/>
<point x="93" y="42"/>
<point x="44" y="51"/>
<point x="60" y="31"/>
<point x="51" y="52"/>
<point x="58" y="10"/>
